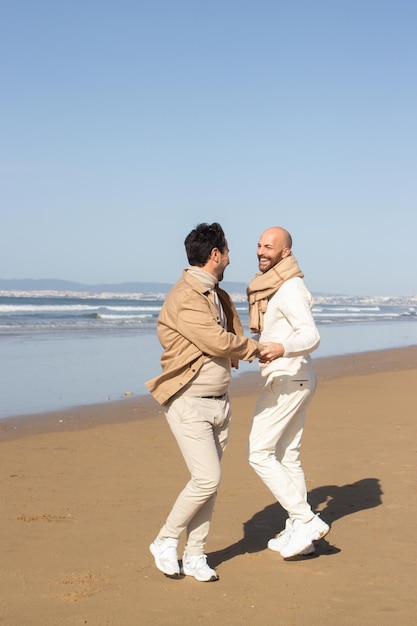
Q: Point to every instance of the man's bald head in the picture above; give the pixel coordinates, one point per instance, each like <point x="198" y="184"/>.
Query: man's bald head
<point x="274" y="245"/>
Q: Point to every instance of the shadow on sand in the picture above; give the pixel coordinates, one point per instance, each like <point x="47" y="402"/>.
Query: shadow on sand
<point x="333" y="502"/>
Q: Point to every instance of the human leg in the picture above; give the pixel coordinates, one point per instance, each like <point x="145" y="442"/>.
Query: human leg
<point x="288" y="448"/>
<point x="200" y="427"/>
<point x="282" y="424"/>
<point x="197" y="529"/>
<point x="275" y="439"/>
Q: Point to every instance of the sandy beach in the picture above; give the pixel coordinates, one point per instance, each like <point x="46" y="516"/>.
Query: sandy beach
<point x="84" y="491"/>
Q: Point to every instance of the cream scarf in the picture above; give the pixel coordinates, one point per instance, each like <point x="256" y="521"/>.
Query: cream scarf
<point x="263" y="286"/>
<point x="210" y="282"/>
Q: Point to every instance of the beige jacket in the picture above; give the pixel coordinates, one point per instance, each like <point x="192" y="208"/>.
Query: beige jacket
<point x="189" y="330"/>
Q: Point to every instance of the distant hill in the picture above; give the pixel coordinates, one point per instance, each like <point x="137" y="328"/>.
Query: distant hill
<point x="55" y="284"/>
<point x="52" y="284"/>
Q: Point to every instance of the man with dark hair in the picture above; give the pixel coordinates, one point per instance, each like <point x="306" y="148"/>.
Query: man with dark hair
<point x="202" y="337"/>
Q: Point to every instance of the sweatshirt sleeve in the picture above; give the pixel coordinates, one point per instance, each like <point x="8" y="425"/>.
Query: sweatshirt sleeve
<point x="295" y="304"/>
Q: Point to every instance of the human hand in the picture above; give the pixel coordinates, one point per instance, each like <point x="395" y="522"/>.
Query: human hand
<point x="270" y="351"/>
<point x="235" y="363"/>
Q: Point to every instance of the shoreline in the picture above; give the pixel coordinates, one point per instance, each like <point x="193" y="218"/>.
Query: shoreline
<point x="244" y="384"/>
<point x="64" y="372"/>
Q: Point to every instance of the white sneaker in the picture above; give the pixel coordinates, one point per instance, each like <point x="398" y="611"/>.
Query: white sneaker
<point x="282" y="538"/>
<point x="279" y="541"/>
<point x="166" y="557"/>
<point x="303" y="535"/>
<point x="309" y="550"/>
<point x="198" y="567"/>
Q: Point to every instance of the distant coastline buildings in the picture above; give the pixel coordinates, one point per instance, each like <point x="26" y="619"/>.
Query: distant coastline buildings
<point x="237" y="296"/>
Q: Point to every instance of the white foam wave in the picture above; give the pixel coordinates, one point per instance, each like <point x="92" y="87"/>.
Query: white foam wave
<point x="347" y="309"/>
<point x="354" y="314"/>
<point x="70" y="308"/>
<point x="120" y="318"/>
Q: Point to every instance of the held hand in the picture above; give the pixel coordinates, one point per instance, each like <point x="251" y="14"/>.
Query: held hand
<point x="235" y="363"/>
<point x="270" y="351"/>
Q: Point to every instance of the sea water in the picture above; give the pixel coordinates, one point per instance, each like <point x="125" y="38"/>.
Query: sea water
<point x="64" y="350"/>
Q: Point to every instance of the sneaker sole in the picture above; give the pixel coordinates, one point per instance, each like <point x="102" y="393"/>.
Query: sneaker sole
<point x="302" y="550"/>
<point x="322" y="533"/>
<point x="189" y="572"/>
<point x="158" y="564"/>
<point x="304" y="554"/>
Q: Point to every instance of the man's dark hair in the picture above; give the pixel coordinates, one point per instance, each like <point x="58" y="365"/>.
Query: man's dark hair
<point x="200" y="242"/>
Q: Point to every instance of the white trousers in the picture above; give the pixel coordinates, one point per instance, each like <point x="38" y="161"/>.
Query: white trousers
<point x="201" y="428"/>
<point x="275" y="440"/>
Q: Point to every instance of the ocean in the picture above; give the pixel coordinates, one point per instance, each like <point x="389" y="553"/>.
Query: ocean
<point x="59" y="350"/>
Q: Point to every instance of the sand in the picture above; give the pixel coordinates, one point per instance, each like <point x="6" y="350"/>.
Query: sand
<point x="84" y="491"/>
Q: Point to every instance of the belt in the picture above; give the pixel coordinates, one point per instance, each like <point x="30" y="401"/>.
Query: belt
<point x="214" y="397"/>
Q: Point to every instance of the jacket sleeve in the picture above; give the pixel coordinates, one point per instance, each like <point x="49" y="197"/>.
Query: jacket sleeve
<point x="198" y="322"/>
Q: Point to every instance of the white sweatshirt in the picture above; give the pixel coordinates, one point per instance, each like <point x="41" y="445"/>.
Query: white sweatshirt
<point x="288" y="320"/>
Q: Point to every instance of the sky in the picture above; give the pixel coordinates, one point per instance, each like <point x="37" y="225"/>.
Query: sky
<point x="125" y="124"/>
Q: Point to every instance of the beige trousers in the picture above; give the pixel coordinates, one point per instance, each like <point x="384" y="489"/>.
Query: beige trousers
<point x="201" y="429"/>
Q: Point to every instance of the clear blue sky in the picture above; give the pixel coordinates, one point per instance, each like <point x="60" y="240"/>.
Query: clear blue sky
<point x="124" y="124"/>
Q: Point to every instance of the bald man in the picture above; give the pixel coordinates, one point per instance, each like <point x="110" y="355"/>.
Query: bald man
<point x="280" y="311"/>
